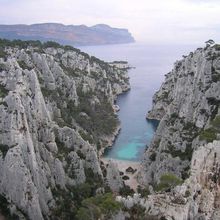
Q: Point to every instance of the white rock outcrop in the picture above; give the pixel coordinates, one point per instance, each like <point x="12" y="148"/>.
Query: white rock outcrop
<point x="197" y="198"/>
<point x="186" y="142"/>
<point x="44" y="144"/>
<point x="185" y="104"/>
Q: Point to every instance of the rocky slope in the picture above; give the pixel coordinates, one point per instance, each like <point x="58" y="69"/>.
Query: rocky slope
<point x="181" y="166"/>
<point x="186" y="105"/>
<point x="67" y="34"/>
<point x="55" y="115"/>
<point x="196" y="199"/>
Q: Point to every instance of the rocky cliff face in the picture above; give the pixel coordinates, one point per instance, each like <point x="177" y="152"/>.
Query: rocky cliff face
<point x="186" y="143"/>
<point x="196" y="199"/>
<point x="186" y="105"/>
<point x="55" y="115"/>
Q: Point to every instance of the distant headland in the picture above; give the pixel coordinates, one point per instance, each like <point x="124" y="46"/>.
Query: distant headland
<point x="80" y="35"/>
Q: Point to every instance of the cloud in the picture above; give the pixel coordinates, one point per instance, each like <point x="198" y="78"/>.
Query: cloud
<point x="153" y="21"/>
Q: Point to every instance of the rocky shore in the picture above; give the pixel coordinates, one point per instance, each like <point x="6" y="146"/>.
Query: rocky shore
<point x="123" y="168"/>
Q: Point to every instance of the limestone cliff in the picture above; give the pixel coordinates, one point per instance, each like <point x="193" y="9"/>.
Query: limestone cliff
<point x="196" y="199"/>
<point x="55" y="115"/>
<point x="181" y="166"/>
<point x="186" y="105"/>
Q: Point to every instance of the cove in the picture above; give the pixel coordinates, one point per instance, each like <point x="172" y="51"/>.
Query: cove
<point x="151" y="62"/>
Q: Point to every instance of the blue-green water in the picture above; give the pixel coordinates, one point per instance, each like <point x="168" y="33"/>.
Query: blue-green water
<point x="151" y="63"/>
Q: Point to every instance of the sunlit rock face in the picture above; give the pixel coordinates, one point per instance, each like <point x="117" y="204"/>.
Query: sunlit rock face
<point x="186" y="105"/>
<point x="197" y="198"/>
<point x="55" y="115"/>
<point x="186" y="142"/>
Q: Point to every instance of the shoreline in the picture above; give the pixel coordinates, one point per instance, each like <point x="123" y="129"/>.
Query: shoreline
<point x="122" y="165"/>
<point x="110" y="139"/>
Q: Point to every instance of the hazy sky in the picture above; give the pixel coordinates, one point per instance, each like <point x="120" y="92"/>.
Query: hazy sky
<point x="179" y="21"/>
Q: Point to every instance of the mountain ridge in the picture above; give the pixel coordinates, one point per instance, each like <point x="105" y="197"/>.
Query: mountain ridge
<point x="67" y="34"/>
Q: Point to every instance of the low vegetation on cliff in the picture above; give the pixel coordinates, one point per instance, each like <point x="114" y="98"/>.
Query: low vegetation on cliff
<point x="56" y="115"/>
<point x="181" y="162"/>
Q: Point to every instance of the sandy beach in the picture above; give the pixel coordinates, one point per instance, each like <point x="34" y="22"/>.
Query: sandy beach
<point x="122" y="166"/>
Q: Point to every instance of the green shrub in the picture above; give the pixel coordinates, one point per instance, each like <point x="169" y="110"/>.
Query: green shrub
<point x="187" y="193"/>
<point x="23" y="65"/>
<point x="102" y="119"/>
<point x="208" y="135"/>
<point x="86" y="136"/>
<point x="81" y="155"/>
<point x="126" y="191"/>
<point x="63" y="151"/>
<point x="183" y="155"/>
<point x="93" y="178"/>
<point x="167" y="182"/>
<point x="189" y="125"/>
<point x="190" y="131"/>
<point x="3" y="91"/>
<point x="137" y="212"/>
<point x="4" y="205"/>
<point x="216" y="122"/>
<point x="5" y="211"/>
<point x="70" y="71"/>
<point x="217" y="46"/>
<point x="46" y="92"/>
<point x="174" y="115"/>
<point x="185" y="173"/>
<point x="2" y="67"/>
<point x="213" y="101"/>
<point x="101" y="63"/>
<point x="95" y="207"/>
<point x="143" y="191"/>
<point x="4" y="149"/>
<point x="70" y="200"/>
<point x="215" y="77"/>
<point x="3" y="54"/>
<point x="153" y="156"/>
<point x="51" y="44"/>
<point x="91" y="212"/>
<point x="4" y="103"/>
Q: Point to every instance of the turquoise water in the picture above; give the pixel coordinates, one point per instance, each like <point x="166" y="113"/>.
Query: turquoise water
<point x="151" y="63"/>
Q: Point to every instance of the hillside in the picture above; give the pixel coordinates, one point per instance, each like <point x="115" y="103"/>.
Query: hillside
<point x="187" y="106"/>
<point x="56" y="115"/>
<point x="67" y="34"/>
<point x="180" y="169"/>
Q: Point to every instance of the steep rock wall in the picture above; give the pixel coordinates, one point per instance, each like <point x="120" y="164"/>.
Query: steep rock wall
<point x="55" y="115"/>
<point x="186" y="105"/>
<point x="196" y="199"/>
<point x="186" y="144"/>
